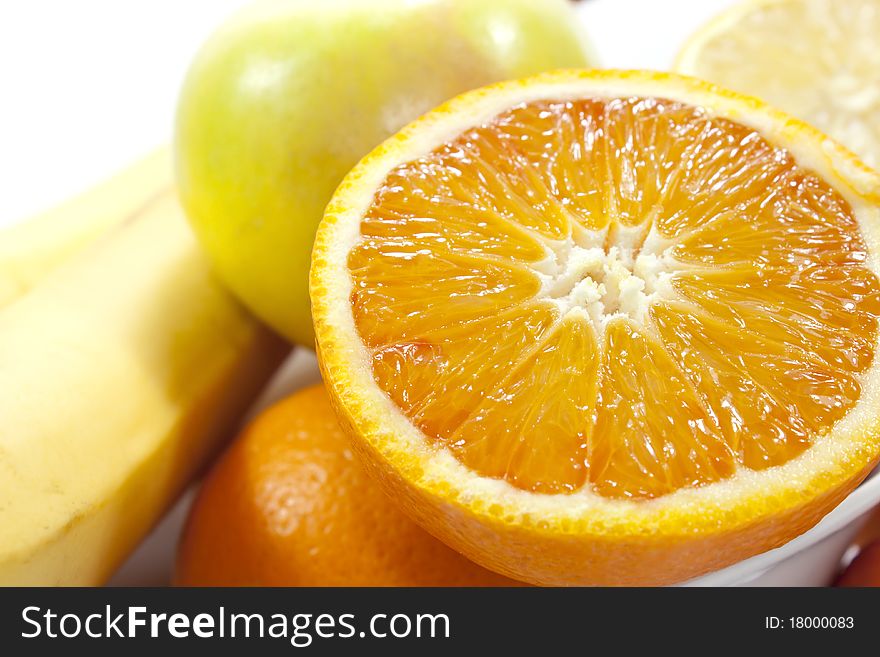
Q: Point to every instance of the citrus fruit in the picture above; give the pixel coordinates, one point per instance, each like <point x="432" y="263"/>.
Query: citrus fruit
<point x="287" y="96"/>
<point x="288" y="505"/>
<point x="826" y="70"/>
<point x="606" y="327"/>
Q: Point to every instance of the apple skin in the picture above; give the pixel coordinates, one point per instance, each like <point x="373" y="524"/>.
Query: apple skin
<point x="283" y="100"/>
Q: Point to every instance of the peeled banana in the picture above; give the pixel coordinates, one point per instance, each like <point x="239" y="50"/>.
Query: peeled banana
<point x="121" y="372"/>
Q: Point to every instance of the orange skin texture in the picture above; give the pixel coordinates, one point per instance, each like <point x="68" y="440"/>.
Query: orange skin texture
<point x="289" y="505"/>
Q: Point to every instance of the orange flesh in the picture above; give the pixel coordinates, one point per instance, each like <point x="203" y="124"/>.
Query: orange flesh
<point x="743" y="350"/>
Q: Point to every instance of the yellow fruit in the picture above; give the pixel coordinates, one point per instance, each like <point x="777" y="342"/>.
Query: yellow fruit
<point x="33" y="248"/>
<point x="817" y="59"/>
<point x="290" y="94"/>
<point x="121" y="373"/>
<point x="289" y="505"/>
<point x="606" y="327"/>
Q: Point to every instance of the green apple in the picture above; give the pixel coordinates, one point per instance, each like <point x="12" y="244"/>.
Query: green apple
<point x="283" y="100"/>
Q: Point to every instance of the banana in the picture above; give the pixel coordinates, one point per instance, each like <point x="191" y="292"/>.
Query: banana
<point x="30" y="250"/>
<point x="121" y="373"/>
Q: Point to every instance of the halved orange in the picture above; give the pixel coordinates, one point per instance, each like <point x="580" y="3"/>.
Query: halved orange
<point x="606" y="327"/>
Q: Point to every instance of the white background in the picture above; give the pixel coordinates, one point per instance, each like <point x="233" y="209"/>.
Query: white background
<point x="87" y="86"/>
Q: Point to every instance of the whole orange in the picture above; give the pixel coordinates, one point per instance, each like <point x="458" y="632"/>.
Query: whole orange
<point x="288" y="505"/>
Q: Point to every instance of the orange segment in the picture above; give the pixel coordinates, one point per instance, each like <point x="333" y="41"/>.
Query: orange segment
<point x="727" y="172"/>
<point x="799" y="221"/>
<point x="640" y="166"/>
<point x="652" y="435"/>
<point x="770" y="400"/>
<point x="781" y="305"/>
<point x="429" y="289"/>
<point x="458" y="246"/>
<point x="534" y="428"/>
<point x="405" y="213"/>
<point x="439" y="379"/>
<point x="552" y="152"/>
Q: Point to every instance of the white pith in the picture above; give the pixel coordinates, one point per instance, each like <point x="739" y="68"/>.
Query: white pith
<point x="606" y="275"/>
<point x="642" y="278"/>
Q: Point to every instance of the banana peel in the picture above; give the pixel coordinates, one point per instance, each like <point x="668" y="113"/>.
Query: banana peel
<point x="122" y="371"/>
<point x="31" y="249"/>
